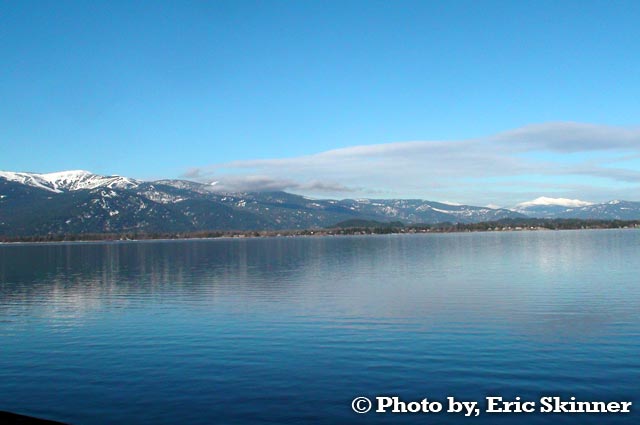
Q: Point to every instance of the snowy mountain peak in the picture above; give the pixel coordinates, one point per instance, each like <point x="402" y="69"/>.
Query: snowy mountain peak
<point x="562" y="202"/>
<point x="69" y="174"/>
<point x="70" y="180"/>
<point x="29" y="179"/>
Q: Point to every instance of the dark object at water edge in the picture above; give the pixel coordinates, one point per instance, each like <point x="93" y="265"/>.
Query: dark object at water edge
<point x="9" y="418"/>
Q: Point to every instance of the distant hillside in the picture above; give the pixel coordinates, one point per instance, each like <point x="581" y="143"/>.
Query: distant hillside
<point x="574" y="208"/>
<point x="360" y="223"/>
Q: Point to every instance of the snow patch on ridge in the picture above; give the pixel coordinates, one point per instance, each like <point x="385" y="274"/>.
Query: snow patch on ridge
<point x="563" y="202"/>
<point x="69" y="180"/>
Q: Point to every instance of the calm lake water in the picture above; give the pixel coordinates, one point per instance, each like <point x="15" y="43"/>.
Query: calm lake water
<point x="290" y="330"/>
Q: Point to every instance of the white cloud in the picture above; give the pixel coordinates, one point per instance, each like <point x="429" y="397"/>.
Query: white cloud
<point x="264" y="183"/>
<point x="532" y="160"/>
<point x="570" y="137"/>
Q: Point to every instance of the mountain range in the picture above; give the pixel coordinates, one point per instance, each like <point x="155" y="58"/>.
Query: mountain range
<point x="573" y="208"/>
<point x="70" y="202"/>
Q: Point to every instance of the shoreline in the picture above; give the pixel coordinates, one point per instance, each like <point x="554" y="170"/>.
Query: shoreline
<point x="485" y="227"/>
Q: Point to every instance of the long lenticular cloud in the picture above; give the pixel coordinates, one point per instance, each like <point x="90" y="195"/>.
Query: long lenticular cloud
<point x="544" y="157"/>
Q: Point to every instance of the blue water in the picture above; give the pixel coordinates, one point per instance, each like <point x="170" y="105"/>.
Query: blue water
<point x="290" y="330"/>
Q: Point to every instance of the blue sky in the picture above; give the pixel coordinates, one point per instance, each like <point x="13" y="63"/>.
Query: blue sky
<point x="266" y="94"/>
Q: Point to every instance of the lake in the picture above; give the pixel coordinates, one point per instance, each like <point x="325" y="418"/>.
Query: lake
<point x="291" y="330"/>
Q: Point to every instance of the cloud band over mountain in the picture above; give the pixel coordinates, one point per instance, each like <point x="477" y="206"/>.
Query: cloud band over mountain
<point x="567" y="159"/>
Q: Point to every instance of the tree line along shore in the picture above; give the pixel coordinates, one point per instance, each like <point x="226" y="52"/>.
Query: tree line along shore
<point x="350" y="227"/>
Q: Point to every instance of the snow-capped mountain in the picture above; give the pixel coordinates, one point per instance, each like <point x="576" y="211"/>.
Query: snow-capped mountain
<point x="69" y="180"/>
<point x="544" y="207"/>
<point x="562" y="202"/>
<point x="612" y="210"/>
<point x="574" y="208"/>
<point x="421" y="211"/>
